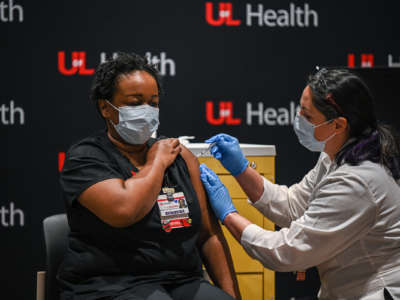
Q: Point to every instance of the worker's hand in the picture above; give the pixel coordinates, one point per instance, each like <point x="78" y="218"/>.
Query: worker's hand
<point x="164" y="152"/>
<point x="228" y="152"/>
<point x="218" y="194"/>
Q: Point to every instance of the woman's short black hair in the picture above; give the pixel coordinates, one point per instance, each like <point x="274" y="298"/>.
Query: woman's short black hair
<point x="341" y="93"/>
<point x="108" y="73"/>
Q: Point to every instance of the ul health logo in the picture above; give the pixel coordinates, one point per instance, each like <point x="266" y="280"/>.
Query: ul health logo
<point x="225" y="14"/>
<point x="77" y="65"/>
<point x="225" y="115"/>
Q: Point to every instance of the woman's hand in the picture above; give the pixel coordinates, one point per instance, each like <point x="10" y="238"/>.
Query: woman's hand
<point x="228" y="152"/>
<point x="121" y="203"/>
<point x="218" y="194"/>
<point x="164" y="152"/>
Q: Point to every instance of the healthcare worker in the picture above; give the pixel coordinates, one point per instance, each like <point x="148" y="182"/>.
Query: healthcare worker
<point x="344" y="215"/>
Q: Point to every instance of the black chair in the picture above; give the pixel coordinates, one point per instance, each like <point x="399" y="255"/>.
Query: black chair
<point x="56" y="232"/>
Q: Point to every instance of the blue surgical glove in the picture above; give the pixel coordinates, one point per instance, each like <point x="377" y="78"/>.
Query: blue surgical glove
<point x="218" y="194"/>
<point x="228" y="152"/>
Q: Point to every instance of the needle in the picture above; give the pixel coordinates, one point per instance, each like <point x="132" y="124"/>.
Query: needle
<point x="204" y="152"/>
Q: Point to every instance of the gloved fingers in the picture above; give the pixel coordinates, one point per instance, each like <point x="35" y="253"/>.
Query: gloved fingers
<point x="212" y="139"/>
<point x="215" y="151"/>
<point x="204" y="170"/>
<point x="204" y="177"/>
<point x="207" y="171"/>
<point x="209" y="176"/>
<point x="227" y="146"/>
<point x="227" y="138"/>
<point x="206" y="185"/>
<point x="220" y="137"/>
<point x="226" y="143"/>
<point x="223" y="142"/>
<point x="214" y="180"/>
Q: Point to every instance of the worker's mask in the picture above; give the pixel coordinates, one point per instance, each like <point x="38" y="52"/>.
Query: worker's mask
<point x="305" y="133"/>
<point x="136" y="123"/>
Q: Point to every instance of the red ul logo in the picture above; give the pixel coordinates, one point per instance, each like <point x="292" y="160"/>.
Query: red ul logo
<point x="61" y="160"/>
<point x="367" y="60"/>
<point x="225" y="14"/>
<point x="225" y="114"/>
<point x="78" y="64"/>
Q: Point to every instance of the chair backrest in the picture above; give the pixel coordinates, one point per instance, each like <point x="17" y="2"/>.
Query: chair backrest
<point x="56" y="232"/>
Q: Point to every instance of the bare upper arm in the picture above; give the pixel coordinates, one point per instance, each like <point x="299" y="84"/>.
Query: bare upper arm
<point x="210" y="224"/>
<point x="105" y="200"/>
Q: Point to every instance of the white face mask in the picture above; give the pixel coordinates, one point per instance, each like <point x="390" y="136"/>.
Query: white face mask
<point x="305" y="133"/>
<point x="136" y="123"/>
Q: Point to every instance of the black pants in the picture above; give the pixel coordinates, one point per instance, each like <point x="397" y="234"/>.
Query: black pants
<point x="197" y="289"/>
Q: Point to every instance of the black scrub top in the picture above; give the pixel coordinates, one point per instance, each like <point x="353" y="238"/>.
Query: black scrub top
<point x="102" y="260"/>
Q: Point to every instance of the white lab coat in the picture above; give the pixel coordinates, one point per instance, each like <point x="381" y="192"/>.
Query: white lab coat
<point x="345" y="220"/>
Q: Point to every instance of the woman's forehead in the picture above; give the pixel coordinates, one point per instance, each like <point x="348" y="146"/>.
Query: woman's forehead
<point x="137" y="80"/>
<point x="306" y="99"/>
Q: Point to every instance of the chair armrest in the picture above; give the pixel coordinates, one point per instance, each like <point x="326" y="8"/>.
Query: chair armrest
<point x="40" y="285"/>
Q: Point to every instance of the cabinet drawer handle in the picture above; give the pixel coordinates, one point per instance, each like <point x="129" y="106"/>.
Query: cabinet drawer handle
<point x="253" y="165"/>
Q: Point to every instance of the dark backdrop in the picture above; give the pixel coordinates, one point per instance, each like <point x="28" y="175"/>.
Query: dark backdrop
<point x="258" y="71"/>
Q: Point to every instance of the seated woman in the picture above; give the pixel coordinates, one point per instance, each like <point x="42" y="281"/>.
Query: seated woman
<point x="140" y="223"/>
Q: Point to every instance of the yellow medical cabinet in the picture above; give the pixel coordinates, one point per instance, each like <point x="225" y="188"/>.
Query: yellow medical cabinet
<point x="255" y="281"/>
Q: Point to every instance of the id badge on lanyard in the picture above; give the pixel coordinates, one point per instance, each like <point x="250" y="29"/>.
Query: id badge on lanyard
<point x="174" y="210"/>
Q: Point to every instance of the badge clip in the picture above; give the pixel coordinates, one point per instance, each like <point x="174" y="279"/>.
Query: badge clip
<point x="169" y="192"/>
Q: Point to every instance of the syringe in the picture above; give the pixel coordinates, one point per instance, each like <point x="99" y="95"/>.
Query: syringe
<point x="205" y="151"/>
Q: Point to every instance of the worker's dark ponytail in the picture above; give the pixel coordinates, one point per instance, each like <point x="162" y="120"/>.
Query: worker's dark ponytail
<point x="390" y="149"/>
<point x="340" y="93"/>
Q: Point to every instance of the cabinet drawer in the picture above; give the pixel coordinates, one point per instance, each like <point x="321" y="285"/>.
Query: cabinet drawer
<point x="241" y="260"/>
<point x="269" y="285"/>
<point x="233" y="186"/>
<point x="249" y="212"/>
<point x="251" y="286"/>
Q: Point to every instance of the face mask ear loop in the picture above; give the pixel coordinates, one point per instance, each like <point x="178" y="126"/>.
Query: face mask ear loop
<point x="112" y="123"/>
<point x="323" y="123"/>
<point x="112" y="105"/>
<point x="333" y="134"/>
<point x="115" y="109"/>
